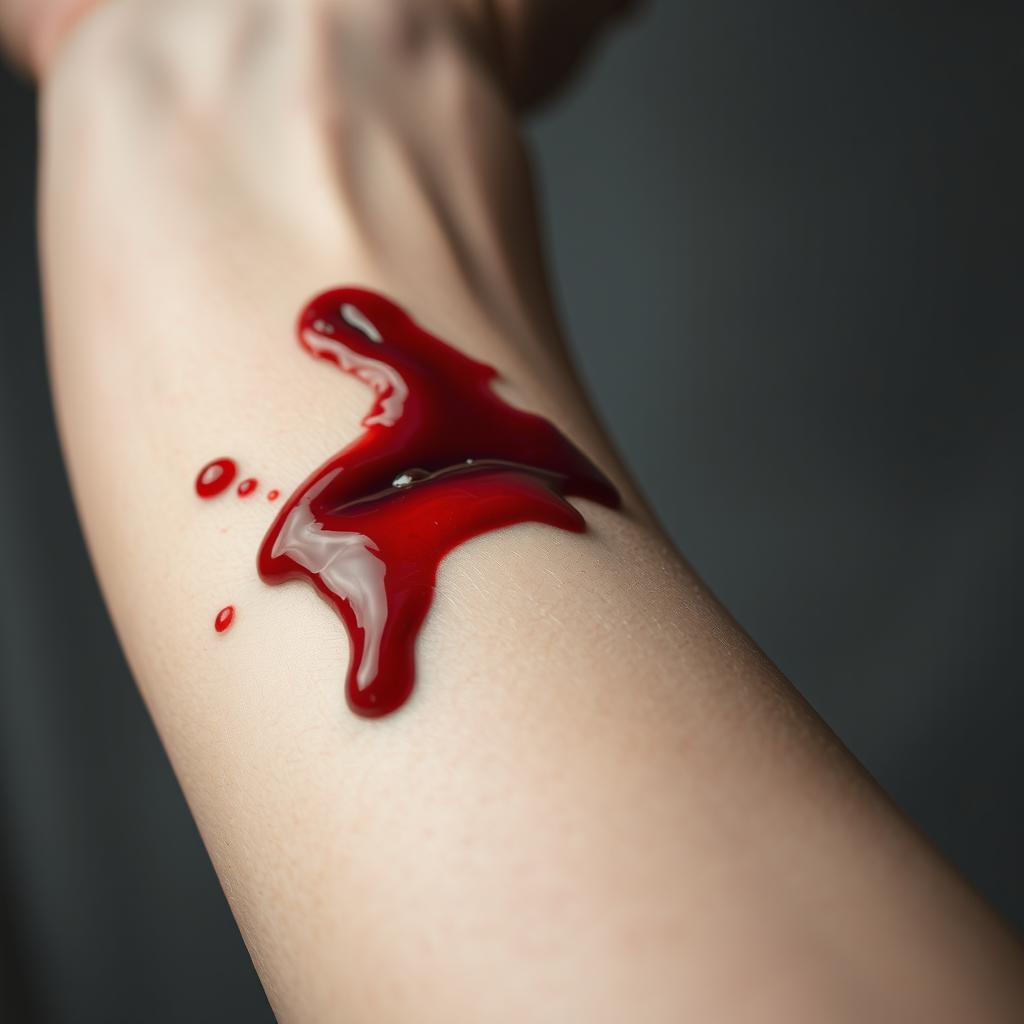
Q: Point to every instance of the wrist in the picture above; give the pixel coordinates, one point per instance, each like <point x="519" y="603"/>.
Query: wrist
<point x="37" y="31"/>
<point x="334" y="129"/>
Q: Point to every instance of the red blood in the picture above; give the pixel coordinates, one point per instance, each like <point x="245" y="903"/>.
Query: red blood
<point x="273" y="495"/>
<point x="215" y="477"/>
<point x="246" y="487"/>
<point x="442" y="459"/>
<point x="224" y="618"/>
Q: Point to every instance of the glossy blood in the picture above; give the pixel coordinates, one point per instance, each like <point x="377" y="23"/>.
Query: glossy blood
<point x="442" y="459"/>
<point x="215" y="477"/>
<point x="246" y="487"/>
<point x="224" y="618"/>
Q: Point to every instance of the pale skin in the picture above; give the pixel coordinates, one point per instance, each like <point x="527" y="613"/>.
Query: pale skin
<point x="603" y="803"/>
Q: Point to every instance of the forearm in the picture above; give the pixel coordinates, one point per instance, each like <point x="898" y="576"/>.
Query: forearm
<point x="602" y="803"/>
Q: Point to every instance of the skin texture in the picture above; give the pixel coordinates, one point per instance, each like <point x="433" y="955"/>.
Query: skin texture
<point x="602" y="803"/>
<point x="31" y="30"/>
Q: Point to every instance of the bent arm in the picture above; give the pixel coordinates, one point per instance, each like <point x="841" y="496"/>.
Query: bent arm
<point x="603" y="803"/>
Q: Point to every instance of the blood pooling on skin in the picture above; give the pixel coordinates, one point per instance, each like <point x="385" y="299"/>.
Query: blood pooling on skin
<point x="224" y="618"/>
<point x="246" y="487"/>
<point x="273" y="495"/>
<point x="215" y="477"/>
<point x="443" y="459"/>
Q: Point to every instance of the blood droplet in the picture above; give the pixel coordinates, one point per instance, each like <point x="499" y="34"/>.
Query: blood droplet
<point x="215" y="477"/>
<point x="246" y="487"/>
<point x="273" y="495"/>
<point x="224" y="618"/>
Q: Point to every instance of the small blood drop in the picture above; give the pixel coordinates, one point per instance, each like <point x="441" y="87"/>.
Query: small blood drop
<point x="273" y="495"/>
<point x="246" y="487"/>
<point x="215" y="477"/>
<point x="224" y="618"/>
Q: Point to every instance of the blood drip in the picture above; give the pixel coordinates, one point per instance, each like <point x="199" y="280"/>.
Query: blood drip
<point x="246" y="487"/>
<point x="442" y="459"/>
<point x="215" y="477"/>
<point x="224" y="618"/>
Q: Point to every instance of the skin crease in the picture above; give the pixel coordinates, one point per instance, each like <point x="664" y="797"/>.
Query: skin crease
<point x="602" y="803"/>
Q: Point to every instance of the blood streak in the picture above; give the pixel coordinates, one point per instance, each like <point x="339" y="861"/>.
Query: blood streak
<point x="224" y="618"/>
<point x="442" y="459"/>
<point x="215" y="477"/>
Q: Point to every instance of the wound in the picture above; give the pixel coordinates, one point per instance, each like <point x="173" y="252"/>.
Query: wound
<point x="442" y="459"/>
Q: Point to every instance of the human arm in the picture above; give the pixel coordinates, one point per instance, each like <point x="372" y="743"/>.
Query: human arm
<point x="603" y="794"/>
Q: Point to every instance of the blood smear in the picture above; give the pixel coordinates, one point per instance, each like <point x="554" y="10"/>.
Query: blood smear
<point x="442" y="459"/>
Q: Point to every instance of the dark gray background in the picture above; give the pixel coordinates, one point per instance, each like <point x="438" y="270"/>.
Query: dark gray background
<point x="787" y="238"/>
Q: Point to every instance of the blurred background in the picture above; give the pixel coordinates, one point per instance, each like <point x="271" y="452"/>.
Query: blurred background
<point x="787" y="240"/>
